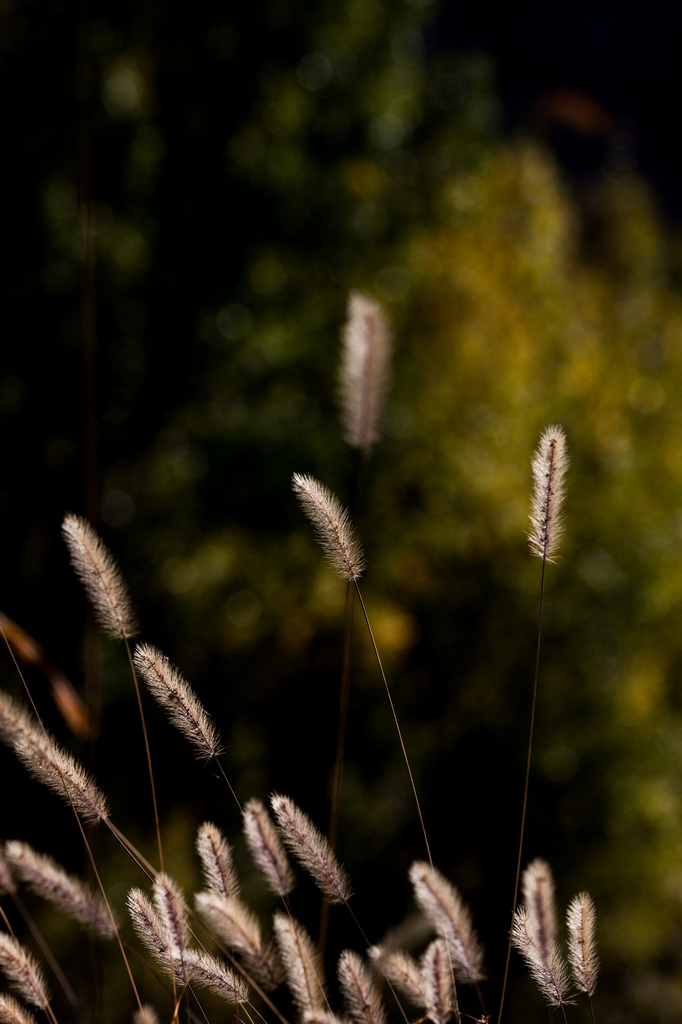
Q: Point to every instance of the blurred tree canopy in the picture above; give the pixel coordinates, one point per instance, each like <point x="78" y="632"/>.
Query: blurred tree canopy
<point x="251" y="166"/>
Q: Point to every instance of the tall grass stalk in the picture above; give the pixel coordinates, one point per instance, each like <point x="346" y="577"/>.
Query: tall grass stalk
<point x="341" y="545"/>
<point x="549" y="465"/>
<point x="363" y="382"/>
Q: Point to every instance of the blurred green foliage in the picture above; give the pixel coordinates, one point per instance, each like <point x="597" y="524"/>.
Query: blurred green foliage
<point x="249" y="171"/>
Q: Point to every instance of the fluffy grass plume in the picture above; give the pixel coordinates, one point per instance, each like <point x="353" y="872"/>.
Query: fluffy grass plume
<point x="149" y="926"/>
<point x="145" y="1015"/>
<point x="534" y="933"/>
<point x="401" y="970"/>
<point x="48" y="763"/>
<point x="7" y="884"/>
<point x="302" y="965"/>
<point x="333" y="527"/>
<point x="443" y="906"/>
<point x="322" y="1017"/>
<point x="169" y="903"/>
<point x="215" y="854"/>
<point x="177" y="697"/>
<point x="537" y="887"/>
<point x="211" y="973"/>
<point x="239" y="928"/>
<point x="23" y="973"/>
<point x="45" y="877"/>
<point x="310" y="848"/>
<point x="266" y="848"/>
<point x="363" y="374"/>
<point x="12" y="1012"/>
<point x="549" y="465"/>
<point x="359" y="989"/>
<point x="545" y="962"/>
<point x="581" y="919"/>
<point x="437" y="980"/>
<point x="103" y="581"/>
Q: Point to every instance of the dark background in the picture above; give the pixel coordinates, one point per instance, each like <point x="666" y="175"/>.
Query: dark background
<point x="207" y="188"/>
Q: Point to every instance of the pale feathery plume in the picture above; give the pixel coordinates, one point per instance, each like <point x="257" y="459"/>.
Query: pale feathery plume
<point x="211" y="973"/>
<point x="7" y="885"/>
<point x="310" y="848"/>
<point x="581" y="919"/>
<point x="436" y="972"/>
<point x="16" y="722"/>
<point x="61" y="773"/>
<point x="169" y="903"/>
<point x="333" y="527"/>
<point x="545" y="963"/>
<point x="149" y="926"/>
<point x="177" y="697"/>
<point x="442" y="904"/>
<point x="322" y="1017"/>
<point x="48" y="763"/>
<point x="266" y="848"/>
<point x="102" y="579"/>
<point x="302" y="965"/>
<point x="537" y="886"/>
<point x="239" y="928"/>
<point x="22" y="972"/>
<point x="401" y="970"/>
<point x="145" y="1015"/>
<point x="48" y="879"/>
<point x="363" y="374"/>
<point x="359" y="989"/>
<point x="12" y="1012"/>
<point x="549" y="465"/>
<point x="215" y="854"/>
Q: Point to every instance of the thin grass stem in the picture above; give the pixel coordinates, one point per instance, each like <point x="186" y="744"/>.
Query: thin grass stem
<point x="525" y="790"/>
<point x="397" y="725"/>
<point x="147" y="750"/>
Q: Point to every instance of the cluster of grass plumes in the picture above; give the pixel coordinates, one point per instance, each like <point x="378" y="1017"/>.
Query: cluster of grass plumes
<point x="213" y="941"/>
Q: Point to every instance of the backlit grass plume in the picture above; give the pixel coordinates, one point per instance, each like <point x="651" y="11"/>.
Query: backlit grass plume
<point x="239" y="928"/>
<point x="581" y="919"/>
<point x="302" y="965"/>
<point x="363" y="374"/>
<point x="48" y="763"/>
<point x="23" y="973"/>
<point x="310" y="848"/>
<point x="538" y="894"/>
<point x="446" y="911"/>
<point x="333" y="527"/>
<point x="215" y="854"/>
<point x="266" y="848"/>
<point x="48" y="879"/>
<point x="402" y="970"/>
<point x="359" y="989"/>
<point x="177" y="697"/>
<point x="103" y="581"/>
<point x="549" y="465"/>
<point x="437" y="980"/>
<point x="12" y="1012"/>
<point x="544" y="961"/>
<point x="534" y="934"/>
